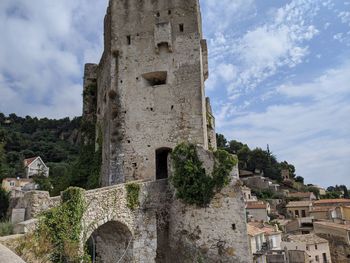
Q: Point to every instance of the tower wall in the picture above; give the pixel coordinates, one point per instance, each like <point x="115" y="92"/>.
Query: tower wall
<point x="150" y="84"/>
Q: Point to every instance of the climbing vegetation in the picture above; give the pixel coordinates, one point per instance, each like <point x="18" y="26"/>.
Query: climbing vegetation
<point x="192" y="183"/>
<point x="132" y="195"/>
<point x="59" y="230"/>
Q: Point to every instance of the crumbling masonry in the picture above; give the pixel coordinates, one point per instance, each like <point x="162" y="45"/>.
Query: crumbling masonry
<point x="147" y="95"/>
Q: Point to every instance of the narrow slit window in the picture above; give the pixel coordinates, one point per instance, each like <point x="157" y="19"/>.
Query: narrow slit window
<point x="128" y="40"/>
<point x="181" y="27"/>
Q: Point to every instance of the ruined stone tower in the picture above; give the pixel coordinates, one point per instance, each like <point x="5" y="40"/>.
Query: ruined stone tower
<point x="150" y="87"/>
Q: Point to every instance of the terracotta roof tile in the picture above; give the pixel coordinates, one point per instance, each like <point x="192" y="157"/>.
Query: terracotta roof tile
<point x="299" y="204"/>
<point x="331" y="201"/>
<point x="256" y="205"/>
<point x="29" y="161"/>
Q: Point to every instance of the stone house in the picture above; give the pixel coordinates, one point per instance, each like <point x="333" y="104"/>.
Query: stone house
<point x="285" y="174"/>
<point x="322" y="213"/>
<point x="257" y="244"/>
<point x="331" y="202"/>
<point x="273" y="236"/>
<point x="298" y="209"/>
<point x="35" y="166"/>
<point x="260" y="182"/>
<point x="10" y="184"/>
<point x="328" y="228"/>
<point x="338" y="236"/>
<point x="307" y="196"/>
<point x="316" y="248"/>
<point x="300" y="226"/>
<point x="247" y="194"/>
<point x="258" y="211"/>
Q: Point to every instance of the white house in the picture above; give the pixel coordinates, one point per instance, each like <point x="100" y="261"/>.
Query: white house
<point x="35" y="166"/>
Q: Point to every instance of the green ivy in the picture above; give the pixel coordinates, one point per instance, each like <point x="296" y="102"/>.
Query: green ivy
<point x="62" y="226"/>
<point x="193" y="185"/>
<point x="132" y="195"/>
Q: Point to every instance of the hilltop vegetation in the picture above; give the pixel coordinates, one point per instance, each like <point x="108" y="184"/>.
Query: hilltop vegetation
<point x="57" y="142"/>
<point x="257" y="158"/>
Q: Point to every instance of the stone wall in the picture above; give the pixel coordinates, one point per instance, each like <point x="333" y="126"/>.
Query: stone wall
<point x="217" y="233"/>
<point x="150" y="85"/>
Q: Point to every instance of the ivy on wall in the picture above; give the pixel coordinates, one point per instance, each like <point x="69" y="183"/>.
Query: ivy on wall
<point x="58" y="234"/>
<point x="193" y="185"/>
<point x="132" y="195"/>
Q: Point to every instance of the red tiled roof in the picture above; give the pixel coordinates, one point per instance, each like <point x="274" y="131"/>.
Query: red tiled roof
<point x="331" y="201"/>
<point x="256" y="205"/>
<point x="29" y="161"/>
<point x="300" y="194"/>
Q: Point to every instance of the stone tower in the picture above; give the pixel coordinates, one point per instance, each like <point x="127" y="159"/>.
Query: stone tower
<point x="150" y="87"/>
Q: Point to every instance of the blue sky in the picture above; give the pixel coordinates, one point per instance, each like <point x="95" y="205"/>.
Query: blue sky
<point x="279" y="71"/>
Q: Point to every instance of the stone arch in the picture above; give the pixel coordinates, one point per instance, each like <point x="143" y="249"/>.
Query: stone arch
<point x="111" y="242"/>
<point x="162" y="162"/>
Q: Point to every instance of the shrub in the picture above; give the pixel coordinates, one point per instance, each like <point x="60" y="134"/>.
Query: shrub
<point x="193" y="185"/>
<point x="132" y="195"/>
<point x="6" y="228"/>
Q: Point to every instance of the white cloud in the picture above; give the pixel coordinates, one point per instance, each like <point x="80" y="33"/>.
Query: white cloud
<point x="44" y="45"/>
<point x="312" y="132"/>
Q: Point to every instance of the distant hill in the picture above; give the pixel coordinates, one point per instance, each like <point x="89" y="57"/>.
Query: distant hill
<point x="55" y="141"/>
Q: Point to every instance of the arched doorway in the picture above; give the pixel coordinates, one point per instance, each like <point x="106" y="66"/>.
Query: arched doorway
<point x="162" y="155"/>
<point x="111" y="243"/>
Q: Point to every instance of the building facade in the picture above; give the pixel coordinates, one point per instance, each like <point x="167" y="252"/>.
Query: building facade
<point x="150" y="87"/>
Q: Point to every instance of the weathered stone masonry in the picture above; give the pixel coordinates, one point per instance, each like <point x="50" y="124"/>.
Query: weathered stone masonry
<point x="150" y="85"/>
<point x="147" y="95"/>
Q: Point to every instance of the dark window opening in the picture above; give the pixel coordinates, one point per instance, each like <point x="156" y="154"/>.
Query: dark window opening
<point x="234" y="226"/>
<point x="129" y="40"/>
<point x="324" y="255"/>
<point x="163" y="46"/>
<point x="172" y="107"/>
<point x="169" y="12"/>
<point x="162" y="163"/>
<point x="303" y="213"/>
<point x="158" y="14"/>
<point x="181" y="27"/>
<point x="155" y="78"/>
<point x="129" y="141"/>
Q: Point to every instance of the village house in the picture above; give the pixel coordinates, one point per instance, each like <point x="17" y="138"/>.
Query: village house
<point x="322" y="213"/>
<point x="307" y="196"/>
<point x="258" y="211"/>
<point x="247" y="194"/>
<point x="34" y="167"/>
<point x="285" y="174"/>
<point x="300" y="226"/>
<point x="316" y="248"/>
<point x="341" y="231"/>
<point x="298" y="209"/>
<point x="260" y="182"/>
<point x="257" y="243"/>
<point x="338" y="236"/>
<point x="15" y="184"/>
<point x="331" y="202"/>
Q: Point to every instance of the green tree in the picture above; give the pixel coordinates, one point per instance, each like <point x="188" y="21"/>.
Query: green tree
<point x="221" y="141"/>
<point x="299" y="179"/>
<point x="4" y="203"/>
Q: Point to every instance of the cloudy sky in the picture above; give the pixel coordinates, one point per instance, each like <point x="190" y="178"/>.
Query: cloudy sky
<point x="279" y="71"/>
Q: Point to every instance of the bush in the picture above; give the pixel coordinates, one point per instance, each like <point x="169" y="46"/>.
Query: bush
<point x="6" y="228"/>
<point x="4" y="203"/>
<point x="59" y="231"/>
<point x="132" y="191"/>
<point x="193" y="185"/>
